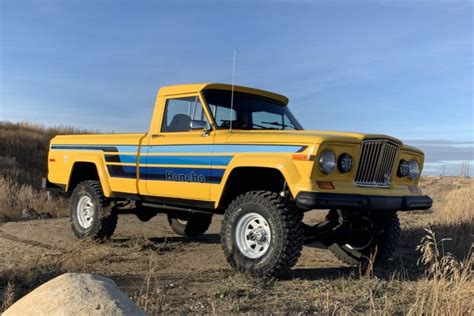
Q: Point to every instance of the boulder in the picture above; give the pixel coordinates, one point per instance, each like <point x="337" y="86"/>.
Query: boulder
<point x="76" y="294"/>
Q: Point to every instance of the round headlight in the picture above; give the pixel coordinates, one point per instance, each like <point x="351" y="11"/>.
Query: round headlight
<point x="344" y="163"/>
<point x="327" y="162"/>
<point x="414" y="169"/>
<point x="403" y="168"/>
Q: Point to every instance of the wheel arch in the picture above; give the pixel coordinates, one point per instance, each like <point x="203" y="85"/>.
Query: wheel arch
<point x="89" y="169"/>
<point x="243" y="178"/>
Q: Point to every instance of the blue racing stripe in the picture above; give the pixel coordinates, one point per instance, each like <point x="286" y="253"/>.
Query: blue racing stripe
<point x="221" y="160"/>
<point x="186" y="160"/>
<point x="121" y="158"/>
<point x="172" y="160"/>
<point x="197" y="175"/>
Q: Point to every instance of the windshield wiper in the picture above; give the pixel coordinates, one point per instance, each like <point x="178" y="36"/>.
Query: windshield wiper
<point x="258" y="125"/>
<point x="278" y="124"/>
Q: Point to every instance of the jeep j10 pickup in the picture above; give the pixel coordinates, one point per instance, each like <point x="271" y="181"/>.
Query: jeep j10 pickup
<point x="237" y="151"/>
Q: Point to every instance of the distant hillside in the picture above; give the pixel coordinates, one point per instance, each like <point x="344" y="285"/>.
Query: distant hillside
<point x="24" y="150"/>
<point x="23" y="162"/>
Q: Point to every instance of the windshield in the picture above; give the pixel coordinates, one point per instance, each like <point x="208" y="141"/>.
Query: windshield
<point x="249" y="111"/>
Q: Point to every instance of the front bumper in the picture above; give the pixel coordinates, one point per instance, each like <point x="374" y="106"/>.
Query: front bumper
<point x="317" y="200"/>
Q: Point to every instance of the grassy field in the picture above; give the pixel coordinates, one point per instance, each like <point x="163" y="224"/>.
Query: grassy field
<point x="431" y="273"/>
<point x="23" y="162"/>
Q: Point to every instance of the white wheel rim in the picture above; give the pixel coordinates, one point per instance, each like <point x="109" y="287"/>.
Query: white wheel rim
<point x="253" y="235"/>
<point x="85" y="212"/>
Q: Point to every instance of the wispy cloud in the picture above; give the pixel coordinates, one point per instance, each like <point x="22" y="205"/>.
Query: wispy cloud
<point x="445" y="155"/>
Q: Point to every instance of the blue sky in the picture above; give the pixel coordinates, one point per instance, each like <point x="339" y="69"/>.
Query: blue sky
<point x="403" y="68"/>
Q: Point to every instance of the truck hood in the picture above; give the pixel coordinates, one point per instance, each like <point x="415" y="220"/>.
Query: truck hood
<point x="307" y="137"/>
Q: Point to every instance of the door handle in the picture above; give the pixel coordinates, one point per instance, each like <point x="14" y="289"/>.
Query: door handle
<point x="157" y="135"/>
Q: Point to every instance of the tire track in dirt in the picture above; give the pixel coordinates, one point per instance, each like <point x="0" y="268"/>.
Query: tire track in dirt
<point x="29" y="242"/>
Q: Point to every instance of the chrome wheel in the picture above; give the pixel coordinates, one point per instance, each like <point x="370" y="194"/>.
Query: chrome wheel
<point x="85" y="212"/>
<point x="253" y="235"/>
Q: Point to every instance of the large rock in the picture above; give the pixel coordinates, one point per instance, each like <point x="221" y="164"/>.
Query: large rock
<point x="76" y="294"/>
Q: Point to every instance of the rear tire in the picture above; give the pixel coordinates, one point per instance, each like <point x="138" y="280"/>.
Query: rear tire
<point x="262" y="234"/>
<point x="189" y="224"/>
<point x="91" y="214"/>
<point x="144" y="213"/>
<point x="384" y="244"/>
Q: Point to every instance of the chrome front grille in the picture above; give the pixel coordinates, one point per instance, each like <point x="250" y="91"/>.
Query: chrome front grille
<point x="376" y="161"/>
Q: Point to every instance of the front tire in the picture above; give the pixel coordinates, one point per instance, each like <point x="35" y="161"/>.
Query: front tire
<point x="91" y="215"/>
<point x="262" y="234"/>
<point x="384" y="243"/>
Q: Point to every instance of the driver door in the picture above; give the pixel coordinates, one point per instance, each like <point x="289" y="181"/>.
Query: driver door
<point x="176" y="162"/>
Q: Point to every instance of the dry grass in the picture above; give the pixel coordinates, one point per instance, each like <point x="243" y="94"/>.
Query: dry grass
<point x="14" y="198"/>
<point x="448" y="287"/>
<point x="452" y="215"/>
<point x="8" y="296"/>
<point x="445" y="287"/>
<point x="454" y="219"/>
<point x="23" y="162"/>
<point x="24" y="150"/>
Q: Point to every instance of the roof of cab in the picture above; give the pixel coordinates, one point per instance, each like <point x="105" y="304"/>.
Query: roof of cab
<point x="197" y="87"/>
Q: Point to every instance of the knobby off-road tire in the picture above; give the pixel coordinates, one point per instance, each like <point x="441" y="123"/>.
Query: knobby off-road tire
<point x="91" y="215"/>
<point x="385" y="242"/>
<point x="271" y="215"/>
<point x="189" y="224"/>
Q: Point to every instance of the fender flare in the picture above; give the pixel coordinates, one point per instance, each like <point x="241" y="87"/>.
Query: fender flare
<point x="99" y="163"/>
<point x="284" y="165"/>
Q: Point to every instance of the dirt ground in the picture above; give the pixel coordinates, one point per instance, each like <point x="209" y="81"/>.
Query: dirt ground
<point x="166" y="273"/>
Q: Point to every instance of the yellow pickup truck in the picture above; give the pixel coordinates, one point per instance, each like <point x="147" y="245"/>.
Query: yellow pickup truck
<point x="238" y="151"/>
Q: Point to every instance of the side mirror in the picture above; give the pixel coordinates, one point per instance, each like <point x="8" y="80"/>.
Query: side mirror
<point x="198" y="125"/>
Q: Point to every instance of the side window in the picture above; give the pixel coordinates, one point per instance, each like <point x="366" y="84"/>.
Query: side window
<point x="180" y="112"/>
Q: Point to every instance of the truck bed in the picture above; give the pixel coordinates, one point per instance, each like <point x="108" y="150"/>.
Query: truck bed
<point x="66" y="150"/>
<point x="98" y="139"/>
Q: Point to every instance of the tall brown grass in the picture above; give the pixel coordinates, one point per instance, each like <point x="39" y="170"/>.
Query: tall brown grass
<point x="448" y="288"/>
<point x="454" y="219"/>
<point x="8" y="296"/>
<point x="14" y="198"/>
<point x="23" y="162"/>
<point x="24" y="150"/>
